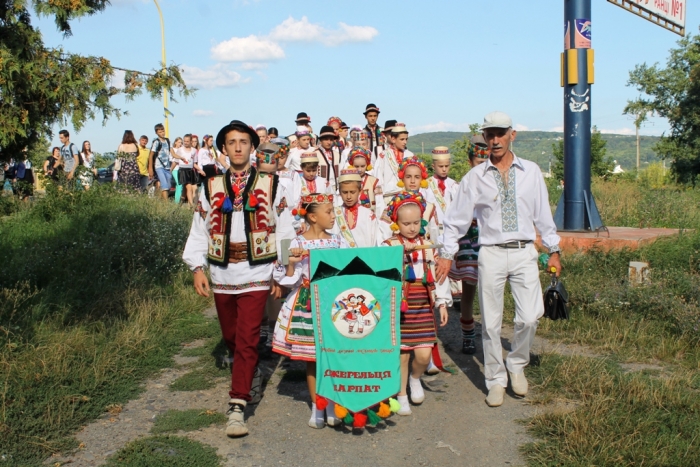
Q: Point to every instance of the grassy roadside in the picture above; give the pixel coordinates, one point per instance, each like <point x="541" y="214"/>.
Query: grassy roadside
<point x="638" y="403"/>
<point x="93" y="299"/>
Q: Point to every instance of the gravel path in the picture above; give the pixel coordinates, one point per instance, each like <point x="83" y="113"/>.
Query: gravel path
<point x="452" y="427"/>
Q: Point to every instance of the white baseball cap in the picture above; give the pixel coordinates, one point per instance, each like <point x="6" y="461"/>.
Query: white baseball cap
<point x="497" y="120"/>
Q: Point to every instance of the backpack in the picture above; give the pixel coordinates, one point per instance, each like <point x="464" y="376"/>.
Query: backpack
<point x="158" y="148"/>
<point x="81" y="161"/>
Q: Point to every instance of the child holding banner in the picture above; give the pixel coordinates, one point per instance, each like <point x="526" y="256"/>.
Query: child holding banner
<point x="294" y="333"/>
<point x="355" y="223"/>
<point x="421" y="294"/>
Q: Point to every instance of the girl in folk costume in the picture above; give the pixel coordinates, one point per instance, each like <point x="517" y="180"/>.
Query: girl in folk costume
<point x="387" y="167"/>
<point x="371" y="195"/>
<point x="355" y="223"/>
<point x="235" y="234"/>
<point x="466" y="261"/>
<point x="412" y="177"/>
<point x="294" y="334"/>
<point x="335" y="123"/>
<point x="421" y="295"/>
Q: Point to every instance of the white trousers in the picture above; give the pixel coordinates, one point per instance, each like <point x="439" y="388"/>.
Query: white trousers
<point x="519" y="267"/>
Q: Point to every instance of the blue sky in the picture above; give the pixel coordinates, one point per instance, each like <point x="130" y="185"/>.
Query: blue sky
<point x="436" y="66"/>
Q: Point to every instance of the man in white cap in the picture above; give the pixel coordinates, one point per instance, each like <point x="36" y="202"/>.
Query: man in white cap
<point x="508" y="197"/>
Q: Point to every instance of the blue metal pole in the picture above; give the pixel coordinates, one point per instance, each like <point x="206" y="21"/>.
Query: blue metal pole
<point x="576" y="210"/>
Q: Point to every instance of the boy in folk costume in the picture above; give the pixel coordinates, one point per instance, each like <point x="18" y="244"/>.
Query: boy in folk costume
<point x="440" y="191"/>
<point x="464" y="269"/>
<point x="371" y="195"/>
<point x="387" y="166"/>
<point x="372" y="130"/>
<point x="384" y="140"/>
<point x="421" y="294"/>
<point x="303" y="144"/>
<point x="413" y="176"/>
<point x="311" y="182"/>
<point x="355" y="223"/>
<point x="235" y="233"/>
<point x="328" y="157"/>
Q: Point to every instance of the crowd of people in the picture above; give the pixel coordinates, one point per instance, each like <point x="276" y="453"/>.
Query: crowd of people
<point x="266" y="198"/>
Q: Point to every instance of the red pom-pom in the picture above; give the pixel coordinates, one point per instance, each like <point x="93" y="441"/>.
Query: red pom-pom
<point x="360" y="420"/>
<point x="430" y="278"/>
<point x="295" y="212"/>
<point x="302" y="211"/>
<point x="404" y="306"/>
<point x="321" y="402"/>
<point x="253" y="201"/>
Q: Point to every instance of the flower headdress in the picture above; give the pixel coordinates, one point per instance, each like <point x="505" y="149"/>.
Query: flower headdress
<point x="401" y="199"/>
<point x="284" y="151"/>
<point x="267" y="153"/>
<point x="307" y="200"/>
<point x="418" y="163"/>
<point x="359" y="151"/>
<point x="336" y="120"/>
<point x="476" y="151"/>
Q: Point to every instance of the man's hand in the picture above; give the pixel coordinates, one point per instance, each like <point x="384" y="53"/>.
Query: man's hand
<point x="69" y="176"/>
<point x="275" y="290"/>
<point x="442" y="269"/>
<point x="201" y="283"/>
<point x="554" y="262"/>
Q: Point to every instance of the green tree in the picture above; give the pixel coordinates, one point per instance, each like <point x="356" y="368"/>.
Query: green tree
<point x="600" y="165"/>
<point x="673" y="92"/>
<point x="475" y="128"/>
<point x="41" y="86"/>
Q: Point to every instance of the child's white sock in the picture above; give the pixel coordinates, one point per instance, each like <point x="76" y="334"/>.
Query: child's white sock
<point x="417" y="394"/>
<point x="316" y="420"/>
<point x="331" y="420"/>
<point x="405" y="407"/>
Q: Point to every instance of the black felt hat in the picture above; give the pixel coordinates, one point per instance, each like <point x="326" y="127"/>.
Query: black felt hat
<point x="302" y="117"/>
<point x="371" y="108"/>
<point x="389" y="124"/>
<point x="327" y="130"/>
<point x="240" y="126"/>
<point x="344" y="126"/>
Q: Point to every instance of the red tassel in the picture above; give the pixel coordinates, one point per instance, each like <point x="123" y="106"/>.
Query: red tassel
<point x="321" y="402"/>
<point x="308" y="305"/>
<point x="253" y="201"/>
<point x="360" y="419"/>
<point x="404" y="306"/>
<point x="431" y="280"/>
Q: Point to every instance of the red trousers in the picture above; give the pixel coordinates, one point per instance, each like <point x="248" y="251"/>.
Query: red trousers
<point x="240" y="316"/>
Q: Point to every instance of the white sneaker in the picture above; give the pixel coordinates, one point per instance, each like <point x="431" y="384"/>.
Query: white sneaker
<point x="317" y="420"/>
<point x="518" y="383"/>
<point x="495" y="397"/>
<point x="331" y="420"/>
<point x="236" y="425"/>
<point x="432" y="369"/>
<point x="405" y="407"/>
<point x="417" y="394"/>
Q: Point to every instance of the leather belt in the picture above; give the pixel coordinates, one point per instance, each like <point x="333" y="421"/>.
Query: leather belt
<point x="515" y="244"/>
<point x="237" y="252"/>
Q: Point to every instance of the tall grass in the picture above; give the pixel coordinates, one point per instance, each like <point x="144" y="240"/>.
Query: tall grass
<point x="93" y="298"/>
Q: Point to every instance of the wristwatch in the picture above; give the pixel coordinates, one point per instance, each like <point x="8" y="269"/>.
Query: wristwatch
<point x="554" y="249"/>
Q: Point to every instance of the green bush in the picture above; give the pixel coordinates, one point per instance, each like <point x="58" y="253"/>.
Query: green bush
<point x="93" y="299"/>
<point x="165" y="451"/>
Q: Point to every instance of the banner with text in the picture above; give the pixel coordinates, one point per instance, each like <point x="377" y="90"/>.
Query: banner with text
<point x="355" y="301"/>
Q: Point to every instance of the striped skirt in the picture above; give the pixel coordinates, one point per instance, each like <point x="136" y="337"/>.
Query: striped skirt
<point x="418" y="327"/>
<point x="466" y="262"/>
<point x="294" y="331"/>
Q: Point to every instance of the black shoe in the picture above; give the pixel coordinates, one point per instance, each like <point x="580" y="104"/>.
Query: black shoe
<point x="468" y="346"/>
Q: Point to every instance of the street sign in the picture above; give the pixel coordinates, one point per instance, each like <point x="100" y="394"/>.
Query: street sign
<point x="669" y="14"/>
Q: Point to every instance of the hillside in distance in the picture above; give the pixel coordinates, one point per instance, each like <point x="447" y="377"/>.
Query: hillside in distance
<point x="537" y="146"/>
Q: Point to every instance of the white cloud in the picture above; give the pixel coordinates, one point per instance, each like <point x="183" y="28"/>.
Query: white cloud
<point x="218" y="76"/>
<point x="557" y="129"/>
<point x="203" y="113"/>
<point x="253" y="65"/>
<point x="292" y="30"/>
<point x="519" y="127"/>
<point x="247" y="49"/>
<point x="117" y="79"/>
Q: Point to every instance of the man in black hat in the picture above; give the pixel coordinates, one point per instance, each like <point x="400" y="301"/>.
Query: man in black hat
<point x="236" y="236"/>
<point x="373" y="131"/>
<point x="385" y="140"/>
<point x="328" y="156"/>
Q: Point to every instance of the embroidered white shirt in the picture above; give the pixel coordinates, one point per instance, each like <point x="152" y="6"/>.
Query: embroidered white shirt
<point x="505" y="212"/>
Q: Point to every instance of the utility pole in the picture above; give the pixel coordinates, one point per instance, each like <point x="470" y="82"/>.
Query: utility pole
<point x="577" y="210"/>
<point x="165" y="90"/>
